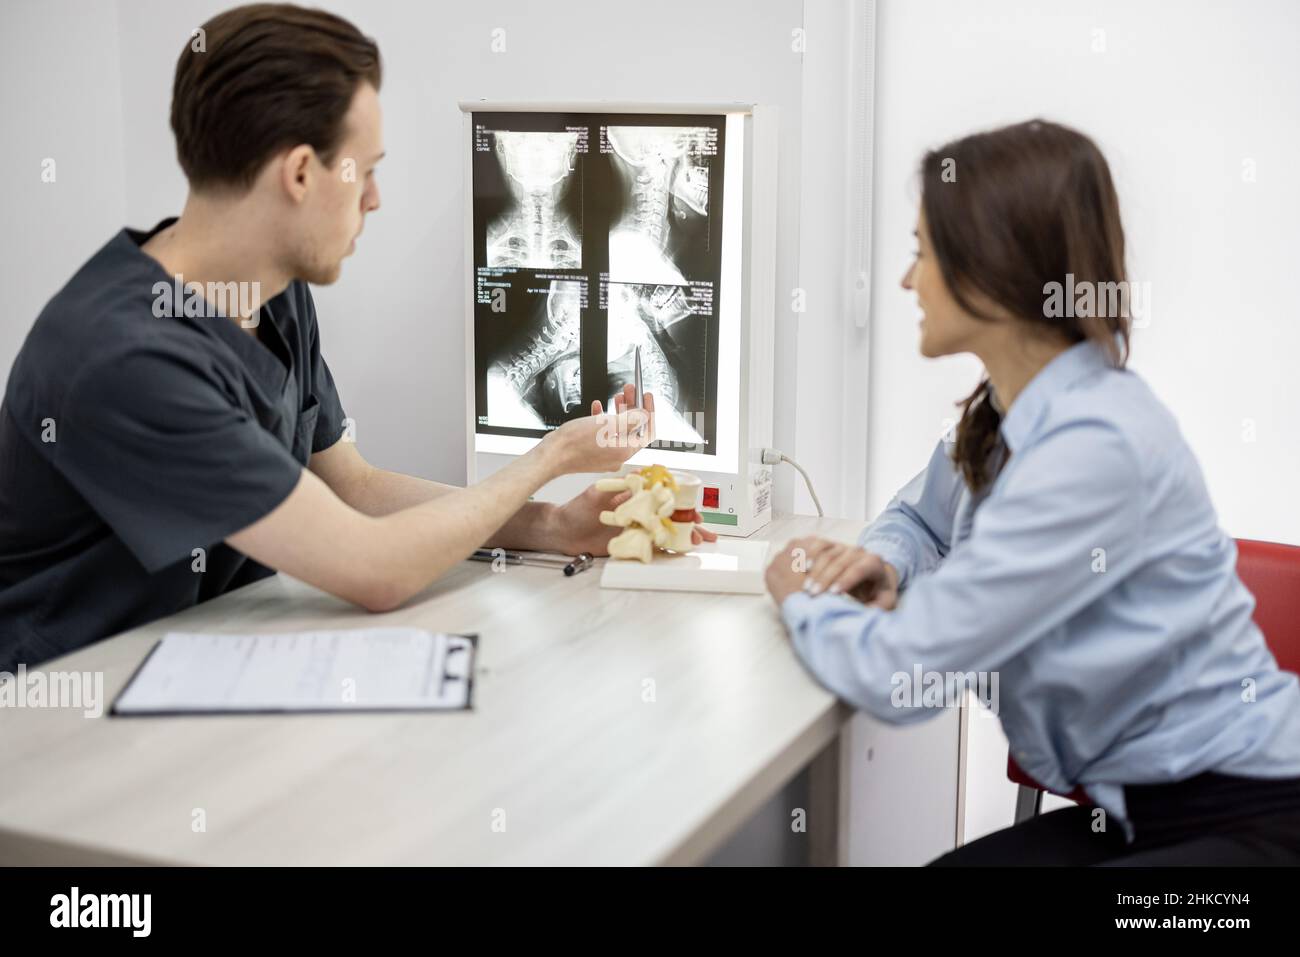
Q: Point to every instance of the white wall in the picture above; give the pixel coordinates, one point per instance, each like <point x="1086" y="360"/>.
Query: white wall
<point x="829" y="434"/>
<point x="60" y="100"/>
<point x="1182" y="95"/>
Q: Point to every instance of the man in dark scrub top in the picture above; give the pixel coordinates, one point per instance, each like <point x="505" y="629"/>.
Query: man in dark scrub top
<point x="170" y="429"/>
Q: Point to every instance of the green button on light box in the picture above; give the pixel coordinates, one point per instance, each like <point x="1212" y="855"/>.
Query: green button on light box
<point x="717" y="518"/>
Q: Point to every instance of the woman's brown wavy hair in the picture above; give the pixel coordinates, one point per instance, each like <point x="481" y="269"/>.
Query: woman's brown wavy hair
<point x="1028" y="204"/>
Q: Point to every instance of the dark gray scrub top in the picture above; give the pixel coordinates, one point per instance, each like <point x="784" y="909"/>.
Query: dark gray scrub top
<point x="128" y="441"/>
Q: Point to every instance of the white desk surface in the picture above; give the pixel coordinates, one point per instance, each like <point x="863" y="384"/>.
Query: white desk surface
<point x="561" y="746"/>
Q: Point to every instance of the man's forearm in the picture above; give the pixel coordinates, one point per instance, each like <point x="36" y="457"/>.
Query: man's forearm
<point x="377" y="492"/>
<point x="412" y="548"/>
<point x="380" y="561"/>
<point x="533" y="527"/>
<point x="381" y="492"/>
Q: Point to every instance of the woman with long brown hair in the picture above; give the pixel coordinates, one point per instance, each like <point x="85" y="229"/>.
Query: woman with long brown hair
<point x="1061" y="543"/>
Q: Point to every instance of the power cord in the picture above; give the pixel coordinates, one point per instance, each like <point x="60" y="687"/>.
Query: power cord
<point x="776" y="457"/>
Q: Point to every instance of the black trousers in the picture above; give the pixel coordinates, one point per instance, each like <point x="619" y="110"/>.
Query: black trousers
<point x="1211" y="819"/>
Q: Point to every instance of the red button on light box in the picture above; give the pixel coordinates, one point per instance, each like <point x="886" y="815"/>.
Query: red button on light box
<point x="710" y="497"/>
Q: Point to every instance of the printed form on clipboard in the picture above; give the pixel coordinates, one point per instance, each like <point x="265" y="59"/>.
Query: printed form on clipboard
<point x="369" y="669"/>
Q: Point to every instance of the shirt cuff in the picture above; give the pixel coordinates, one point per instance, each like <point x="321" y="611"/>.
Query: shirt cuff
<point x="795" y="610"/>
<point x="800" y="607"/>
<point x="892" y="550"/>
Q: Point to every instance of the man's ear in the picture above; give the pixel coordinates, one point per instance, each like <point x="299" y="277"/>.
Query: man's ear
<point x="296" y="169"/>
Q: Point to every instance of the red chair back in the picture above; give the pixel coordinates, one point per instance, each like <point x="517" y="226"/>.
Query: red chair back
<point x="1271" y="572"/>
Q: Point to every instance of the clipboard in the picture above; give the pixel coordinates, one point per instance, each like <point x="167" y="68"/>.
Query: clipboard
<point x="367" y="670"/>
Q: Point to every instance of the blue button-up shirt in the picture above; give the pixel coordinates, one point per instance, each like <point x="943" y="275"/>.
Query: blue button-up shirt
<point x="1090" y="585"/>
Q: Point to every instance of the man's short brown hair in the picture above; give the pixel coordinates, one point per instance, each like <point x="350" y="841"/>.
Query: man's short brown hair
<point x="262" y="78"/>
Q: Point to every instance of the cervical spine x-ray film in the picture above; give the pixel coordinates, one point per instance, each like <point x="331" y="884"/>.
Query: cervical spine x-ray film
<point x="596" y="234"/>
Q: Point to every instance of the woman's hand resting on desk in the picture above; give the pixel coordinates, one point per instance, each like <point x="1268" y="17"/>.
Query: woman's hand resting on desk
<point x="819" y="565"/>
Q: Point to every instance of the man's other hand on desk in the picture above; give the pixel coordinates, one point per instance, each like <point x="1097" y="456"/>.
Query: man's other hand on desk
<point x="579" y="528"/>
<point x="577" y="523"/>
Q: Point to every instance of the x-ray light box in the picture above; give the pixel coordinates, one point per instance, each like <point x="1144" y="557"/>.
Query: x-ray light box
<point x="596" y="232"/>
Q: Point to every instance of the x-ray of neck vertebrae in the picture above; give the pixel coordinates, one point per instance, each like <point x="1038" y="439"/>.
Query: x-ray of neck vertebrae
<point x="533" y="232"/>
<point x="537" y="379"/>
<point x="659" y="319"/>
<point x="665" y="180"/>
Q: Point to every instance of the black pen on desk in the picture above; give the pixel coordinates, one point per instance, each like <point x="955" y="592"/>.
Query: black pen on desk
<point x="516" y="558"/>
<point x="570" y="566"/>
<point x="486" y="555"/>
<point x="579" y="564"/>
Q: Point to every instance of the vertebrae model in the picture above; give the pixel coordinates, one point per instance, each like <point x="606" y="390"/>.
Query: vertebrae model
<point x="534" y="234"/>
<point x="657" y="515"/>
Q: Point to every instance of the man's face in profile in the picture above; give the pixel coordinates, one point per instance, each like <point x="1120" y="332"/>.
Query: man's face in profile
<point x="342" y="194"/>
